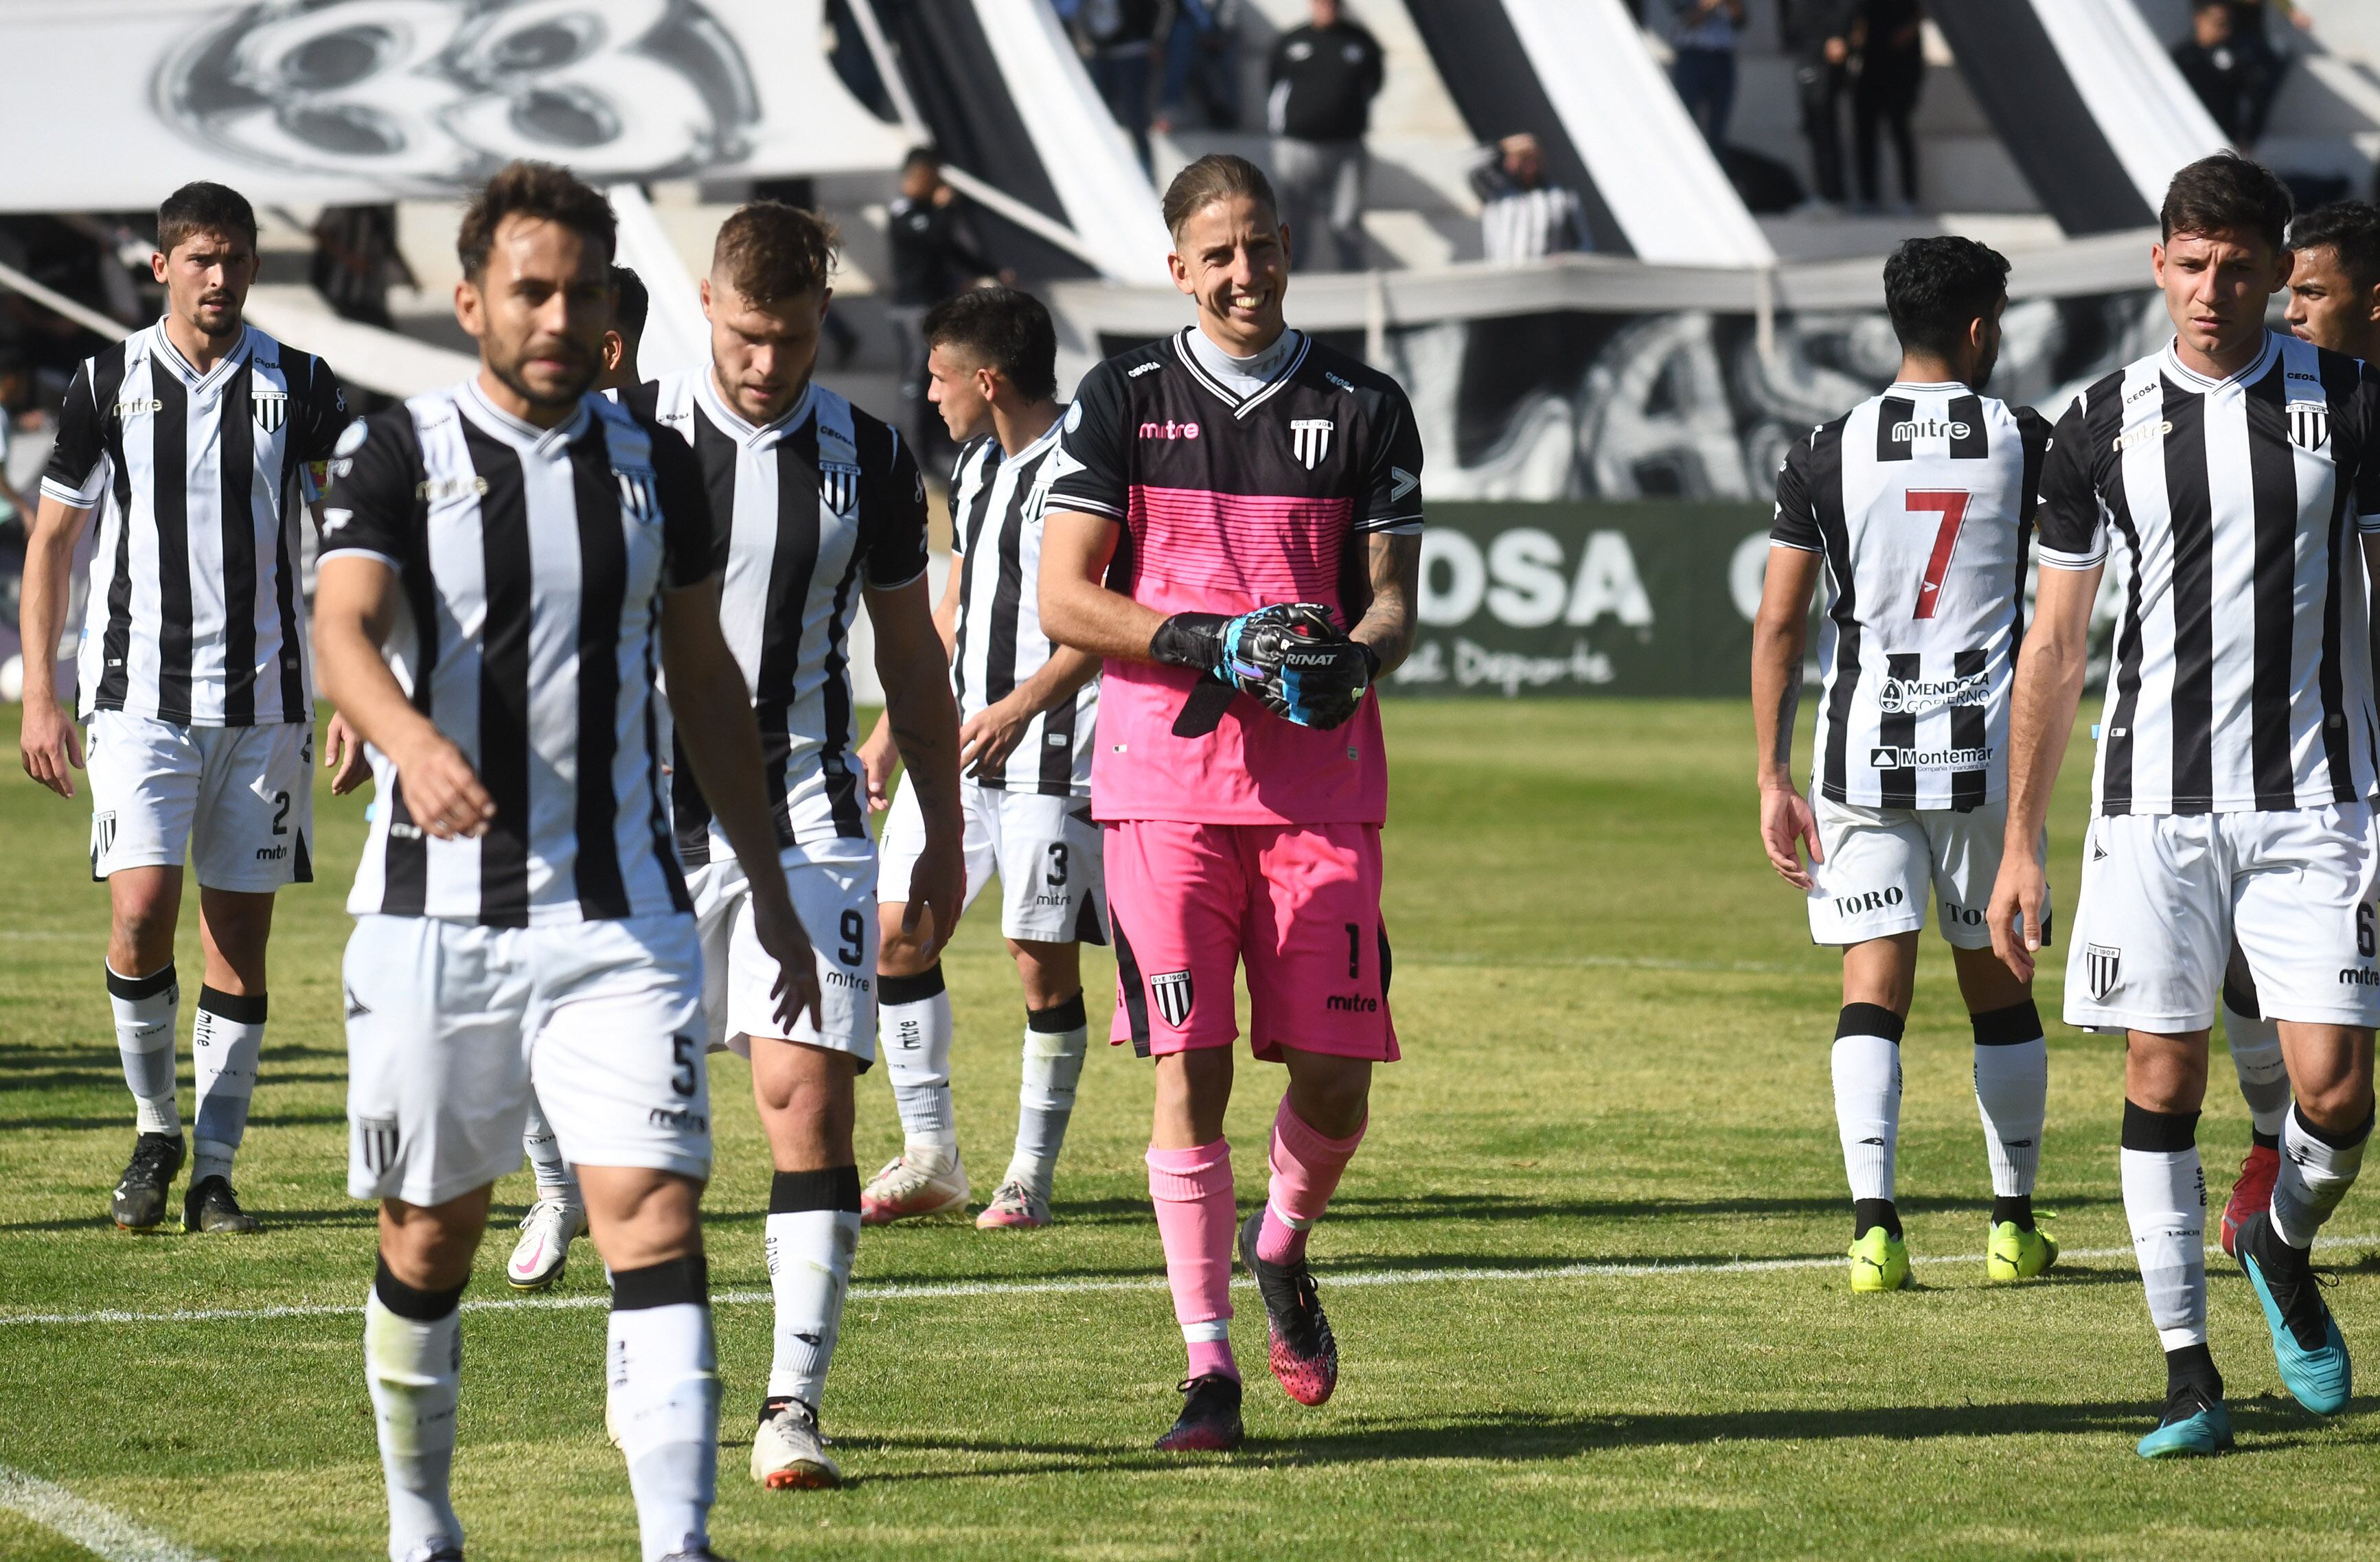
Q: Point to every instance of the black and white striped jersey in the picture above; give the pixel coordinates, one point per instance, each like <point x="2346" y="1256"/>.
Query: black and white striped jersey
<point x="996" y="506"/>
<point x="811" y="509"/>
<point x="196" y="614"/>
<point x="2242" y="679"/>
<point x="1920" y="502"/>
<point x="531" y="564"/>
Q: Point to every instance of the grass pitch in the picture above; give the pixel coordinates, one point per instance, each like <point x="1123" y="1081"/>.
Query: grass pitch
<point x="1616" y="1038"/>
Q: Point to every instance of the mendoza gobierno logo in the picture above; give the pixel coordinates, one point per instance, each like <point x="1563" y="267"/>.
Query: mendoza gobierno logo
<point x="442" y="93"/>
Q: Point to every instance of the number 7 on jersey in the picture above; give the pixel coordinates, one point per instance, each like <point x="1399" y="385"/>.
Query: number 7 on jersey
<point x="1951" y="506"/>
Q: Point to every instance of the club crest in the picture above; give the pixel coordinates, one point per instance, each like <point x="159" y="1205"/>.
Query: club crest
<point x="2308" y="424"/>
<point x="271" y="409"/>
<point x="1171" y="992"/>
<point x="1310" y="440"/>
<point x="839" y="486"/>
<point x="638" y="499"/>
<point x="2104" y="968"/>
<point x="376" y="1144"/>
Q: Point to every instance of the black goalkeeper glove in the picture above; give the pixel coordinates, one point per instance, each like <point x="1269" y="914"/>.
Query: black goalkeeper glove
<point x="1290" y="656"/>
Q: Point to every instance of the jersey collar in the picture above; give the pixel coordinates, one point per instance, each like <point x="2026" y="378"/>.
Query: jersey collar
<point x="742" y="430"/>
<point x="171" y="356"/>
<point x="544" y="443"/>
<point x="2189" y="379"/>
<point x="1241" y="406"/>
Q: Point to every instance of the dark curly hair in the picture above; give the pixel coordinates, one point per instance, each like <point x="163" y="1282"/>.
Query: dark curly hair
<point x="2228" y="194"/>
<point x="533" y="189"/>
<point x="1002" y="329"/>
<point x="1935" y="287"/>
<point x="2350" y="229"/>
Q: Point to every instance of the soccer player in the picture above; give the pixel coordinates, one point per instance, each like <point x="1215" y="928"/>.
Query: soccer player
<point x="1236" y="527"/>
<point x="1028" y="707"/>
<point x="2335" y="304"/>
<point x="819" y="507"/>
<point x="505" y="565"/>
<point x="191" y="438"/>
<point x="1918" y="502"/>
<point x="2235" y="763"/>
<point x="557" y="1217"/>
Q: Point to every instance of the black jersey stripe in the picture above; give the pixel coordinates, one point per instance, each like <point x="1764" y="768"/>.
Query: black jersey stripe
<point x="714" y="453"/>
<point x="1057" y="725"/>
<point x="1007" y="601"/>
<point x="115" y="642"/>
<point x="2101" y="420"/>
<point x="602" y="592"/>
<point x="1893" y="416"/>
<point x="1975" y="444"/>
<point x="665" y="856"/>
<point x="236" y="451"/>
<point x="1826" y="500"/>
<point x="294" y="685"/>
<point x="2189" y="511"/>
<point x="2340" y="377"/>
<point x="1897" y="731"/>
<point x="169" y="498"/>
<point x="2272" y="473"/>
<point x="2034" y="433"/>
<point x="405" y="861"/>
<point x="970" y="528"/>
<point x="504" y="754"/>
<point x="841" y="781"/>
<point x="1970" y="731"/>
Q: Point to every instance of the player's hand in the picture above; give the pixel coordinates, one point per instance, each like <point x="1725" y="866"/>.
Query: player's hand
<point x="880" y="761"/>
<point x="441" y="792"/>
<point x="343" y="751"/>
<point x="937" y="893"/>
<point x="1787" y="826"/>
<point x="992" y="734"/>
<point x="780" y="930"/>
<point x="49" y="745"/>
<point x="2015" y="912"/>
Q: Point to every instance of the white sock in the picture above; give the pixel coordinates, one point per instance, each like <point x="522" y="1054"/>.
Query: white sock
<point x="2317" y="1171"/>
<point x="2257" y="1057"/>
<point x="914" y="1018"/>
<point x="1867" y="1095"/>
<point x="414" y="1367"/>
<point x="226" y="1039"/>
<point x="2164" y="1203"/>
<point x="1057" y="1039"/>
<point x="813" y="1231"/>
<point x="146" y="1008"/>
<point x="663" y="1383"/>
<point x="2013" y="1094"/>
<point x="555" y="1179"/>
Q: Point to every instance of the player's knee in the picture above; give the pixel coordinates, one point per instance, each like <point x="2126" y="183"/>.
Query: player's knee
<point x="900" y="953"/>
<point x="1050" y="973"/>
<point x="430" y="1247"/>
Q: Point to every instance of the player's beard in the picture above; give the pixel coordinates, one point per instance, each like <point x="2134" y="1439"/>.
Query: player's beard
<point x="229" y="323"/>
<point x="579" y="382"/>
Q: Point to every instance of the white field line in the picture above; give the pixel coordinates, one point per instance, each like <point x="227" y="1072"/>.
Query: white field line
<point x="102" y="1531"/>
<point x="932" y="1290"/>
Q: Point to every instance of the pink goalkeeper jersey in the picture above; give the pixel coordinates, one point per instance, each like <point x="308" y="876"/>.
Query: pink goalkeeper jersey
<point x="1230" y="503"/>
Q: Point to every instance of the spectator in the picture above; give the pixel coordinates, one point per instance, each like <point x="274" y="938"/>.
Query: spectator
<point x="2235" y="75"/>
<point x="355" y="261"/>
<point x="1703" y="39"/>
<point x="934" y="254"/>
<point x="1323" y="78"/>
<point x="1202" y="60"/>
<point x="1521" y="218"/>
<point x="1122" y="43"/>
<point x="1818" y="32"/>
<point x="1889" y="36"/>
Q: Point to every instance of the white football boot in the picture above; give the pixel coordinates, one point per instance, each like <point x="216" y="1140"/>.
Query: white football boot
<point x="922" y="1181"/>
<point x="1017" y="1204"/>
<point x="546" y="1234"/>
<point x="789" y="1452"/>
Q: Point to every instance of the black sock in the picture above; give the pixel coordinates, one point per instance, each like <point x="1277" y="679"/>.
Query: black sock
<point x="2193" y="1366"/>
<point x="2264" y="1141"/>
<point x="1866" y="1214"/>
<point x="2013" y="1206"/>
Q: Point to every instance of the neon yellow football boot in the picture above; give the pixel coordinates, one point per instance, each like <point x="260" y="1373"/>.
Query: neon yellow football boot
<point x="2014" y="1253"/>
<point x="1880" y="1261"/>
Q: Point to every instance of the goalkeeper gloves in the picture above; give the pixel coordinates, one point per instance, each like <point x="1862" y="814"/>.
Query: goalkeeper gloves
<point x="1289" y="656"/>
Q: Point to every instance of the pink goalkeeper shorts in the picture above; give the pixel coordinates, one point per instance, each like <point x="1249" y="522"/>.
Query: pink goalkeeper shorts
<point x="1298" y="905"/>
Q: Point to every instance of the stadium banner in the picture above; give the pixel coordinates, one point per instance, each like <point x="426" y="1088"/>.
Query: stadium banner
<point x="1651" y="597"/>
<point x="373" y="100"/>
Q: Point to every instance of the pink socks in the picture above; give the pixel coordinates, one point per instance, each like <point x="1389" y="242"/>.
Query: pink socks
<point x="1306" y="1170"/>
<point x="1192" y="1192"/>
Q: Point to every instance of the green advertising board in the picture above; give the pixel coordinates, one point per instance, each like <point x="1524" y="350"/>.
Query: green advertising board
<point x="1651" y="597"/>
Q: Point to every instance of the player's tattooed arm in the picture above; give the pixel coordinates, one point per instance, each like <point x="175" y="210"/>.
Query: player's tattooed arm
<point x="914" y="665"/>
<point x="1390" y="624"/>
<point x="1077" y="607"/>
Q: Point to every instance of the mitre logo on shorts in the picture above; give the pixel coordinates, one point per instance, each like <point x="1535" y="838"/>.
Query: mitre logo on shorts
<point x="2103" y="968"/>
<point x="1310" y="440"/>
<point x="2308" y="424"/>
<point x="1171" y="992"/>
<point x="271" y="409"/>
<point x="1902" y="696"/>
<point x="1887" y="757"/>
<point x="376" y="1142"/>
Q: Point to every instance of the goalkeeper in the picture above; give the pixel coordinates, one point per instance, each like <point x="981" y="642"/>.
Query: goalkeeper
<point x="1235" y="526"/>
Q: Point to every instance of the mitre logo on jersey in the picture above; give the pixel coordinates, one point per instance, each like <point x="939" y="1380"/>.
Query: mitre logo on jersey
<point x="271" y="409"/>
<point x="1169" y="430"/>
<point x="2308" y="424"/>
<point x="2141" y="434"/>
<point x="136" y="408"/>
<point x="1171" y="992"/>
<point x="1902" y="697"/>
<point x="1928" y="429"/>
<point x="1310" y="440"/>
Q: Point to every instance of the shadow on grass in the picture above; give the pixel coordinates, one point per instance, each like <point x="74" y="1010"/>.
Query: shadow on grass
<point x="1495" y="1207"/>
<point x="123" y="1121"/>
<point x="357" y="1213"/>
<point x="2265" y="1425"/>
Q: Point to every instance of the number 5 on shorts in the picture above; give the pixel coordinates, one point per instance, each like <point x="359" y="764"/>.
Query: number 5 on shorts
<point x="1951" y="506"/>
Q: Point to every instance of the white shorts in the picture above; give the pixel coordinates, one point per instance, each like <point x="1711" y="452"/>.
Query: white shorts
<point x="1046" y="852"/>
<point x="835" y="897"/>
<point x="1881" y="862"/>
<point x="450" y="1025"/>
<point x="237" y="801"/>
<point x="2164" y="895"/>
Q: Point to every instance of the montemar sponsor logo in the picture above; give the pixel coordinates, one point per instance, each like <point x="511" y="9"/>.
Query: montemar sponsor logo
<point x="1885" y="757"/>
<point x="1902" y="697"/>
<point x="1911" y="428"/>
